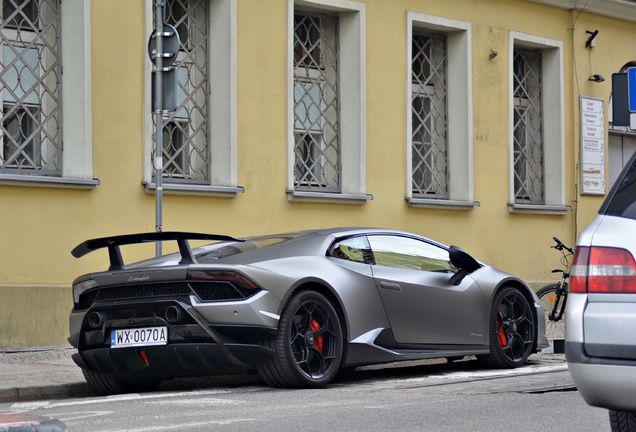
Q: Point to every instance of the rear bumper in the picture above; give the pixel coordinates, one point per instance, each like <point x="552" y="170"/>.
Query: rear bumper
<point x="171" y="361"/>
<point x="195" y="346"/>
<point x="605" y="383"/>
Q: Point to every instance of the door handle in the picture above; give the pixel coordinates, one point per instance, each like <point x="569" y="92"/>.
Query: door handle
<point x="390" y="286"/>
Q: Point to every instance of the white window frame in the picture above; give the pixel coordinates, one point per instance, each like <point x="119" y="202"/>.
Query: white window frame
<point x="77" y="115"/>
<point x="552" y="108"/>
<point x="352" y="64"/>
<point x="459" y="111"/>
<point x="222" y="140"/>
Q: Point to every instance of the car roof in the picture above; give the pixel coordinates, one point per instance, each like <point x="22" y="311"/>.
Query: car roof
<point x="340" y="232"/>
<point x="303" y="242"/>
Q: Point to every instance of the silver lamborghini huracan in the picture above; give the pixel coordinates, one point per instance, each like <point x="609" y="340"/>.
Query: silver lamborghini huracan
<point x="297" y="307"/>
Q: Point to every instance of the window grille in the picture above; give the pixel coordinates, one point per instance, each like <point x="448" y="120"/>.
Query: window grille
<point x="30" y="74"/>
<point x="316" y="103"/>
<point x="185" y="131"/>
<point x="429" y="118"/>
<point x="528" y="127"/>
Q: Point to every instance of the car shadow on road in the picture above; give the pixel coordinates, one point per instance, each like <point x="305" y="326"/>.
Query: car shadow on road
<point x="400" y="370"/>
<point x="382" y="372"/>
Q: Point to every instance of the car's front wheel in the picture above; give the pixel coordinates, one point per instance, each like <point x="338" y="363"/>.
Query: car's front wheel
<point x="512" y="330"/>
<point x="309" y="345"/>
<point x="109" y="385"/>
<point x="622" y="421"/>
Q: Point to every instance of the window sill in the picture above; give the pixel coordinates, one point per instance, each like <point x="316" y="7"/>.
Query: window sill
<point x="47" y="181"/>
<point x="327" y="197"/>
<point x="193" y="189"/>
<point x="442" y="204"/>
<point x="538" y="208"/>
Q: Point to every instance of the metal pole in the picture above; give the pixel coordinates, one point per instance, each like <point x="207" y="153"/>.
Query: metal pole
<point x="158" y="161"/>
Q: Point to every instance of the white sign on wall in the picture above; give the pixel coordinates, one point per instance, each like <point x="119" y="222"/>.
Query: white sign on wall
<point x="592" y="146"/>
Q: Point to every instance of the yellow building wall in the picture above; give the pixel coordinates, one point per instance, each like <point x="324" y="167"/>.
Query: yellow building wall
<point x="41" y="225"/>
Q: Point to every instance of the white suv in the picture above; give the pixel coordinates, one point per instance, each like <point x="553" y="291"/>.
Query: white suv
<point x="600" y="340"/>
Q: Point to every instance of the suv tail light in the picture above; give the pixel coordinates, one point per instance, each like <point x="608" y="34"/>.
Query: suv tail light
<point x="603" y="270"/>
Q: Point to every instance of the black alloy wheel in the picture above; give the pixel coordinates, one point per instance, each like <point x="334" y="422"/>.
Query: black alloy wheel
<point x="512" y="330"/>
<point x="309" y="345"/>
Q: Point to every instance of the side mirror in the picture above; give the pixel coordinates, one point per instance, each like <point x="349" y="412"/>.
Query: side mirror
<point x="465" y="264"/>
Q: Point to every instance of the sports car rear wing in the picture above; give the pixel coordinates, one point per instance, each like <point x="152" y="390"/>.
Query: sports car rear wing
<point x="113" y="243"/>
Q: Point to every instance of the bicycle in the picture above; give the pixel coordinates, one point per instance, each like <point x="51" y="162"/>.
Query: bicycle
<point x="554" y="296"/>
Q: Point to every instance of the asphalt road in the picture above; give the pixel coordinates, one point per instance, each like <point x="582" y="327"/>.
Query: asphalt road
<point x="420" y="397"/>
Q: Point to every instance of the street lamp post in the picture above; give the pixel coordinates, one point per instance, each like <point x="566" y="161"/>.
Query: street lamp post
<point x="158" y="160"/>
<point x="163" y="48"/>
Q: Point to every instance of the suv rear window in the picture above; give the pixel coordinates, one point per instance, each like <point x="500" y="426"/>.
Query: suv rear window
<point x="622" y="199"/>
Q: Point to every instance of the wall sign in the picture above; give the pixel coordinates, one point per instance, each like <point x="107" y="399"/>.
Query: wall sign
<point x="592" y="146"/>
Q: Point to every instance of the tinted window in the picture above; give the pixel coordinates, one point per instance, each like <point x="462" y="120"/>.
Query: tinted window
<point x="404" y="252"/>
<point x="353" y="249"/>
<point x="623" y="202"/>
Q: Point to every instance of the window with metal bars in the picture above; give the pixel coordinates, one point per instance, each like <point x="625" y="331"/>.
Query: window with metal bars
<point x="528" y="151"/>
<point x="316" y="103"/>
<point x="429" y="118"/>
<point x="185" y="131"/>
<point x="30" y="82"/>
<point x="174" y="144"/>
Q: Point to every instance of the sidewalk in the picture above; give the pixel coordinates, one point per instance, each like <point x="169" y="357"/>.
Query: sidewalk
<point x="40" y="373"/>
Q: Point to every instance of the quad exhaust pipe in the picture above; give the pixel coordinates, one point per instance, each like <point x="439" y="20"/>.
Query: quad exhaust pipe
<point x="172" y="314"/>
<point x="96" y="320"/>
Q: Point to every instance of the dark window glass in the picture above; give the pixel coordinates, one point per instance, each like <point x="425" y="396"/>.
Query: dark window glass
<point x="353" y="249"/>
<point x="20" y="14"/>
<point x="623" y="201"/>
<point x="21" y="141"/>
<point x="176" y="14"/>
<point x="175" y="150"/>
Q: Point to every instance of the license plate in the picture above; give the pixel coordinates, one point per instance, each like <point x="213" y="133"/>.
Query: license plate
<point x="135" y="337"/>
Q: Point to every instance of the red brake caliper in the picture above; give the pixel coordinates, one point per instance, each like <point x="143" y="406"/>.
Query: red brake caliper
<point x="501" y="336"/>
<point x="313" y="326"/>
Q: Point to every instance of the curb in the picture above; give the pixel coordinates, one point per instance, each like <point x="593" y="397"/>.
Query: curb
<point x="49" y="391"/>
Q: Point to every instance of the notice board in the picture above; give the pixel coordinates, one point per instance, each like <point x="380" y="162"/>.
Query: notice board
<point x="592" y="146"/>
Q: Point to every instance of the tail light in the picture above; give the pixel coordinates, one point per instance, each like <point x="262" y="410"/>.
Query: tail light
<point x="81" y="287"/>
<point x="603" y="270"/>
<point x="223" y="276"/>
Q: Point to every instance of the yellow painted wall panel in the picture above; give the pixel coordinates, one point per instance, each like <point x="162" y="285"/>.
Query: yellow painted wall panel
<point x="34" y="315"/>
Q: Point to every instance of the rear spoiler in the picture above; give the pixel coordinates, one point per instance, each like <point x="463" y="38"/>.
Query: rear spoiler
<point x="113" y="243"/>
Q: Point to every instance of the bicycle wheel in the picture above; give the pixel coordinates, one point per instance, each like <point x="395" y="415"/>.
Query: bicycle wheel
<point x="547" y="295"/>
